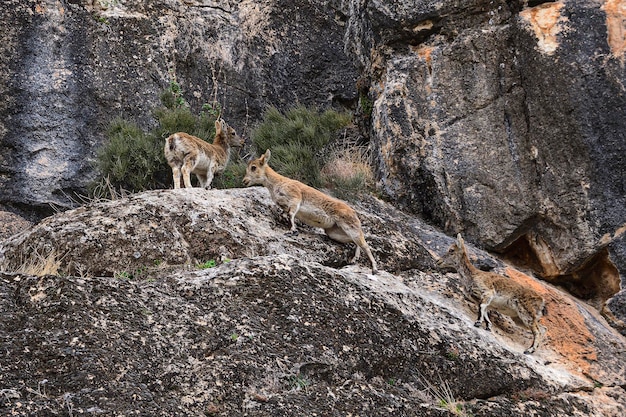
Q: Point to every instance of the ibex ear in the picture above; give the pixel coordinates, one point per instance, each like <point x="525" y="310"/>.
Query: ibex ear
<point x="266" y="156"/>
<point x="220" y="126"/>
<point x="459" y="241"/>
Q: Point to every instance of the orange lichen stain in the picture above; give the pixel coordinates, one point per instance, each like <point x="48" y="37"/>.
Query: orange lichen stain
<point x="39" y="9"/>
<point x="546" y="21"/>
<point x="566" y="331"/>
<point x="616" y="25"/>
<point x="425" y="52"/>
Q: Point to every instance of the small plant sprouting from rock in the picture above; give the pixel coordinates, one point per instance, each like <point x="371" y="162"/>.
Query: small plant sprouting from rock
<point x="122" y="275"/>
<point x="443" y="397"/>
<point x="208" y="264"/>
<point x="37" y="263"/>
<point x="298" y="382"/>
<point x="101" y="19"/>
<point x="452" y="353"/>
<point x="172" y="97"/>
<point x="211" y="263"/>
<point x="125" y="275"/>
<point x="366" y="104"/>
<point x="212" y="109"/>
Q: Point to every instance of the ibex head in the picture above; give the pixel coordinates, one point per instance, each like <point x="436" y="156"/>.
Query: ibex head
<point x="255" y="173"/>
<point x="227" y="133"/>
<point x="453" y="257"/>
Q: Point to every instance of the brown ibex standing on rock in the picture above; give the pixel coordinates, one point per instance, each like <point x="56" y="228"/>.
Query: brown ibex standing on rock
<point x="188" y="154"/>
<point x="310" y="206"/>
<point x="497" y="292"/>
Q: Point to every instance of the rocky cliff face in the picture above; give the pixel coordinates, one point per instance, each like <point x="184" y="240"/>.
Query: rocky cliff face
<point x="280" y="326"/>
<point x="505" y="122"/>
<point x="502" y="120"/>
<point x="68" y="67"/>
<point x="499" y="119"/>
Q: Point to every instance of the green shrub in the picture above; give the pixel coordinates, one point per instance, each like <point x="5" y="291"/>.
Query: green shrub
<point x="133" y="160"/>
<point x="172" y="97"/>
<point x="233" y="174"/>
<point x="296" y="139"/>
<point x="181" y="119"/>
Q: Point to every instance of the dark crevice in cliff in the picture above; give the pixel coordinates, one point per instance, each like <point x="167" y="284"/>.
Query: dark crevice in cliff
<point x="595" y="280"/>
<point x="413" y="34"/>
<point x="520" y="254"/>
<point x="27" y="210"/>
<point x="534" y="3"/>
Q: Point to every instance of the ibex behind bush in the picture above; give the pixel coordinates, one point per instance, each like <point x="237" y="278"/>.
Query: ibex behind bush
<point x="497" y="292"/>
<point x="339" y="220"/>
<point x="187" y="154"/>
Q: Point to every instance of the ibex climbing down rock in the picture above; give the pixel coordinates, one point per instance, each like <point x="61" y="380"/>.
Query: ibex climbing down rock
<point x="497" y="292"/>
<point x="310" y="206"/>
<point x="188" y="154"/>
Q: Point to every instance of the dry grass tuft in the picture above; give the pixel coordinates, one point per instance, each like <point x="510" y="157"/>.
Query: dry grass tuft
<point x="348" y="171"/>
<point x="38" y="264"/>
<point x="104" y="190"/>
<point x="442" y="397"/>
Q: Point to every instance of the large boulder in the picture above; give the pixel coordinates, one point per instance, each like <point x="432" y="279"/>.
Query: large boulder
<point x="192" y="226"/>
<point x="506" y="123"/>
<point x="280" y="325"/>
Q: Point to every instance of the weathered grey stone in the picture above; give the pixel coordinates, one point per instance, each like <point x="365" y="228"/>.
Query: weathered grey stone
<point x="500" y="119"/>
<point x="272" y="330"/>
<point x="506" y="124"/>
<point x="191" y="226"/>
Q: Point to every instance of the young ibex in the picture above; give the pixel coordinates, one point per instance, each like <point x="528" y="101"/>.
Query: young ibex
<point x="498" y="292"/>
<point x="188" y="154"/>
<point x="310" y="206"/>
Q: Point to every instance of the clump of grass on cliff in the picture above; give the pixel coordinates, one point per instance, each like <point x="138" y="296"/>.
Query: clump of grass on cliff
<point x="37" y="262"/>
<point x="297" y="139"/>
<point x="348" y="170"/>
<point x="132" y="159"/>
